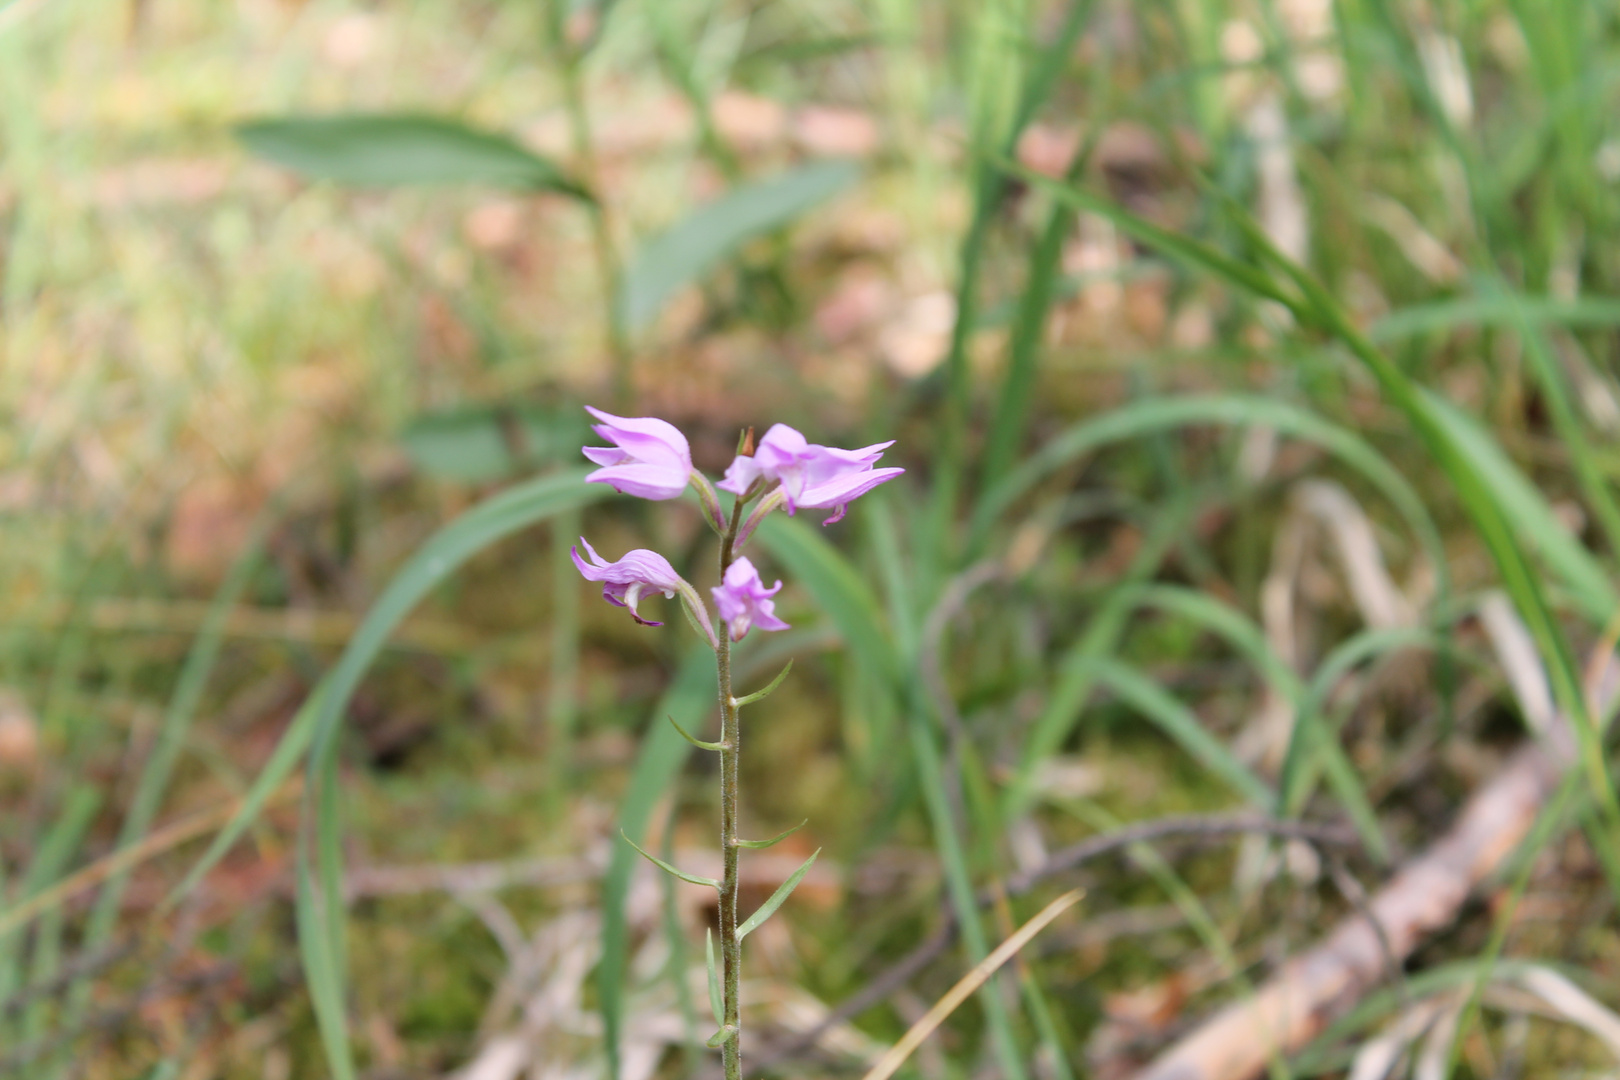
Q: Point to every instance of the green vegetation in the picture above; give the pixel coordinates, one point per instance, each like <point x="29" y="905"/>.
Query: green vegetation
<point x="1256" y="368"/>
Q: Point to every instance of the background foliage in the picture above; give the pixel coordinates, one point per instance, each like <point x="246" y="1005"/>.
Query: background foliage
<point x="1240" y="355"/>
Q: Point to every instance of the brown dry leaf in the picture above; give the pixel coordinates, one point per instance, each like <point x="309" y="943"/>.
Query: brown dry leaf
<point x="19" y="732"/>
<point x="916" y="342"/>
<point x="861" y="299"/>
<point x="833" y="131"/>
<point x="1047" y="149"/>
<point x="494" y="226"/>
<point x="212" y="520"/>
<point x="351" y="40"/>
<point x="749" y="122"/>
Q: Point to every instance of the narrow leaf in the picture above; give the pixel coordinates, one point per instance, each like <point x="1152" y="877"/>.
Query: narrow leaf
<point x="699" y="743"/>
<point x="715" y="1003"/>
<point x="666" y="867"/>
<point x="759" y="845"/>
<point x="768" y="908"/>
<point x="1178" y="722"/>
<point x="761" y="695"/>
<point x="719" y="1037"/>
<point x="388" y="150"/>
<point x="687" y="252"/>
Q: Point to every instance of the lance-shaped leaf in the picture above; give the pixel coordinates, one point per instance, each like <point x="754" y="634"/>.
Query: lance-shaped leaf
<point x="689" y="250"/>
<point x="668" y="869"/>
<point x="699" y="743"/>
<point x="758" y="845"/>
<point x="388" y="150"/>
<point x="720" y="1036"/>
<point x="715" y="1003"/>
<point x="768" y="908"/>
<point x="761" y="695"/>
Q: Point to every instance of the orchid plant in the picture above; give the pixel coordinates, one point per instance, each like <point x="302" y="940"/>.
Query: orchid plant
<point x="650" y="459"/>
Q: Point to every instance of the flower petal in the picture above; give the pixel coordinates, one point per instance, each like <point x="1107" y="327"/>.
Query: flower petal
<point x="643" y="481"/>
<point x="842" y="489"/>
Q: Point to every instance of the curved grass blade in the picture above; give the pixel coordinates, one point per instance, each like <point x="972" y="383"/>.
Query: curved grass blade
<point x="495" y="518"/>
<point x="839" y="590"/>
<point x="760" y="845"/>
<point x="783" y="891"/>
<point x="761" y="695"/>
<point x="318" y="722"/>
<point x="1292" y="783"/>
<point x="1178" y="722"/>
<point x="322" y="971"/>
<point x="1590" y="586"/>
<point x="1162" y="414"/>
<point x="842" y="593"/>
<point x="687" y="252"/>
<point x="1315" y="306"/>
<point x="390" y="149"/>
<point x="1586" y="312"/>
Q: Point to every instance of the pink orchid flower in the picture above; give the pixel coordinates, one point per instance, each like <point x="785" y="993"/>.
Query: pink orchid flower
<point x="744" y="601"/>
<point x="649" y="458"/>
<point x="809" y="475"/>
<point x="625" y="582"/>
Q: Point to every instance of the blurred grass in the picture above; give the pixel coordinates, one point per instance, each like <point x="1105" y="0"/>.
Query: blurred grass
<point x="1368" y="241"/>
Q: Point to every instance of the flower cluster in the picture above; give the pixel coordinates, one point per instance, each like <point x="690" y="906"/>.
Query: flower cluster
<point x="650" y="459"/>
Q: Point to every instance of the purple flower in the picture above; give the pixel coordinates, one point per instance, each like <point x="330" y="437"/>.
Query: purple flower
<point x="649" y="458"/>
<point x="818" y="477"/>
<point x="626" y="581"/>
<point x="744" y="601"/>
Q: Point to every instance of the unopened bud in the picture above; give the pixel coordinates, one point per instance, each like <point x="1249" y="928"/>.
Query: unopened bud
<point x="745" y="443"/>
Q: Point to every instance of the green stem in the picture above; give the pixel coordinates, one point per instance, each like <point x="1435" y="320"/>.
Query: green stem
<point x="730" y="746"/>
<point x="607" y="254"/>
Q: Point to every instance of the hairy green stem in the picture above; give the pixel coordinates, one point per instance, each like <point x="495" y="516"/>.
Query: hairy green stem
<point x="730" y="745"/>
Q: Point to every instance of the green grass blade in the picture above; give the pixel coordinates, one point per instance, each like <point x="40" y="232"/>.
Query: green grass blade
<point x="51" y="859"/>
<point x="1588" y="583"/>
<point x="1152" y="415"/>
<point x="1076" y="676"/>
<point x="783" y="891"/>
<point x="854" y="610"/>
<point x="387" y="150"/>
<point x="687" y="252"/>
<point x="839" y="590"/>
<point x="662" y="754"/>
<point x="1417" y="319"/>
<point x="1309" y="730"/>
<point x="1177" y="722"/>
<point x="497" y="517"/>
<point x="321" y="972"/>
<point x="715" y="1004"/>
